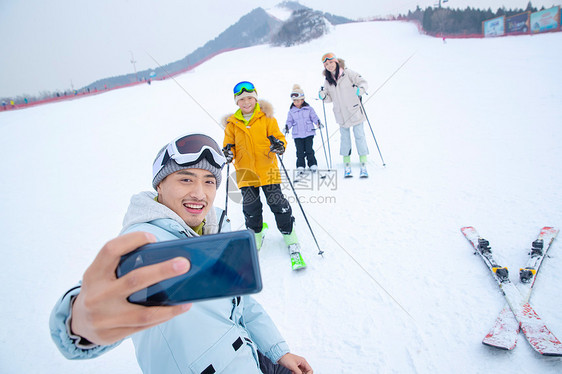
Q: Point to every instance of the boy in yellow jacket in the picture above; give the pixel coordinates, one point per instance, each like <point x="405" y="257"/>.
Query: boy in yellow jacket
<point x="255" y="159"/>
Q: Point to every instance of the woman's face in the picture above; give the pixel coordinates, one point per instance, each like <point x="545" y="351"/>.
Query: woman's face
<point x="330" y="65"/>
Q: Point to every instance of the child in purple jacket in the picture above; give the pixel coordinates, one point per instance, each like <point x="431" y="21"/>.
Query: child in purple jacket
<point x="302" y="120"/>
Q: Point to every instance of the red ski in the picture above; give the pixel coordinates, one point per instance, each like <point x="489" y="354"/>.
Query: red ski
<point x="518" y="312"/>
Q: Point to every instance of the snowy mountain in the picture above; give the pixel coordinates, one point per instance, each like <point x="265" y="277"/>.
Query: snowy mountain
<point x="303" y="26"/>
<point x="252" y="29"/>
<point x="470" y="133"/>
<point x="288" y="23"/>
<point x="259" y="26"/>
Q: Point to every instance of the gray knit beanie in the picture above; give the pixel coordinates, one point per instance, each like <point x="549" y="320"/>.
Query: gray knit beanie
<point x="172" y="166"/>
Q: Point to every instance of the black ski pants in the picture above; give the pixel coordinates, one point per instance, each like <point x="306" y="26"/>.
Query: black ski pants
<point x="268" y="367"/>
<point x="305" y="150"/>
<point x="253" y="208"/>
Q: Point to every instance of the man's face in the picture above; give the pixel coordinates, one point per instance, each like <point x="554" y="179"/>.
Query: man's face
<point x="189" y="193"/>
<point x="247" y="104"/>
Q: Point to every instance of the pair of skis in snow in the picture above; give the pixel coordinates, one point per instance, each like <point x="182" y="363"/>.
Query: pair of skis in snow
<point x="518" y="314"/>
<point x="306" y="175"/>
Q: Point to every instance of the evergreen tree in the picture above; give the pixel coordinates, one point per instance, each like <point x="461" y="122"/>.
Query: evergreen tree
<point x="427" y="24"/>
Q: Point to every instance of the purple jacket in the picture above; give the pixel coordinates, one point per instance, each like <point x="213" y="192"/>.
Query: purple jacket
<point x="302" y="121"/>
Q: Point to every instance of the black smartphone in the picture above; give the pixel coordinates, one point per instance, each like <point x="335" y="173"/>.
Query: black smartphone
<point x="222" y="265"/>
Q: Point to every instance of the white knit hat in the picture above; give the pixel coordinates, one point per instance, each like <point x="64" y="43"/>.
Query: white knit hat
<point x="297" y="93"/>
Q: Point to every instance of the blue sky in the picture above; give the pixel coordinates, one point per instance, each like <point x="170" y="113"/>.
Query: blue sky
<point x="58" y="45"/>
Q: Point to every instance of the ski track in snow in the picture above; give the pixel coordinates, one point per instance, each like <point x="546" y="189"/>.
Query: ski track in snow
<point x="470" y="131"/>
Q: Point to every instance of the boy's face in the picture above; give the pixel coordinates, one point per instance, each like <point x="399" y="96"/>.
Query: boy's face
<point x="190" y="193"/>
<point x="247" y="104"/>
<point x="298" y="102"/>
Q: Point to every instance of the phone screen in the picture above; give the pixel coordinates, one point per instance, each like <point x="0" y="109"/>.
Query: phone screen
<point x="222" y="265"/>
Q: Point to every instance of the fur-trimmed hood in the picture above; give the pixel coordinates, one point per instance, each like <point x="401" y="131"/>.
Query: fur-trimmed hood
<point x="255" y="164"/>
<point x="265" y="106"/>
<point x="341" y="62"/>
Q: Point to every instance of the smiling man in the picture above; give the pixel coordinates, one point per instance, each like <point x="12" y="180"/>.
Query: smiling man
<point x="227" y="335"/>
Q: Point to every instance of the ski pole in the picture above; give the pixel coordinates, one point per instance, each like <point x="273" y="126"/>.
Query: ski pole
<point x="374" y="93"/>
<point x="276" y="141"/>
<point x="323" y="147"/>
<point x="327" y="134"/>
<point x="390" y="76"/>
<point x="372" y="132"/>
<point x="223" y="215"/>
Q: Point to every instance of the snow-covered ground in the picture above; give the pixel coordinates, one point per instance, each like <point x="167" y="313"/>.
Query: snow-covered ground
<point x="471" y="134"/>
<point x="280" y="12"/>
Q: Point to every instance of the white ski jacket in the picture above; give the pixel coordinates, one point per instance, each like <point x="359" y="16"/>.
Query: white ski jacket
<point x="347" y="107"/>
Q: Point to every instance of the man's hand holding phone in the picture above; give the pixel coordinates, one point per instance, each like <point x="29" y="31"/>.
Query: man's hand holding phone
<point x="101" y="312"/>
<point x="222" y="265"/>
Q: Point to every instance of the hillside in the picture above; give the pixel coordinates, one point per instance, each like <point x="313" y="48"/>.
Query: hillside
<point x="260" y="26"/>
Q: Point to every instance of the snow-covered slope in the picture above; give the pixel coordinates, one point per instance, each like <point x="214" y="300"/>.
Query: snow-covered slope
<point x="280" y="12"/>
<point x="470" y="132"/>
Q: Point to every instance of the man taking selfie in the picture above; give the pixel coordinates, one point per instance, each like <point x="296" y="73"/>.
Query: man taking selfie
<point x="227" y="335"/>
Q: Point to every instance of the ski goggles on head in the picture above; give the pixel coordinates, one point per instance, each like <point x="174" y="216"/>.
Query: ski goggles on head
<point x="243" y="86"/>
<point x="328" y="56"/>
<point x="189" y="150"/>
<point x="296" y="95"/>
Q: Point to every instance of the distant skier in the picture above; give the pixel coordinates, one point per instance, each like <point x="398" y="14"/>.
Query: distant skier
<point x="246" y="142"/>
<point x="344" y="87"/>
<point x="302" y="120"/>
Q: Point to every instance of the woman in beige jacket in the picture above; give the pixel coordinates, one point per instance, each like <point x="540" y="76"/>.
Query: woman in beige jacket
<point x="343" y="87"/>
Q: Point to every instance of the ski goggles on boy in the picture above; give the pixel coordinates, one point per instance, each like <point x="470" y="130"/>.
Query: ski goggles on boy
<point x="189" y="150"/>
<point x="328" y="56"/>
<point x="296" y="95"/>
<point x="243" y="86"/>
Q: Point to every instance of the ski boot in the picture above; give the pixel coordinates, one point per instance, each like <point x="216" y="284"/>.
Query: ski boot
<point x="347" y="171"/>
<point x="301" y="174"/>
<point x="363" y="172"/>
<point x="260" y="236"/>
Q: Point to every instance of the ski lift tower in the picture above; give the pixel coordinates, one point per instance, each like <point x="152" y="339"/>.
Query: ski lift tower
<point x="438" y="5"/>
<point x="133" y="61"/>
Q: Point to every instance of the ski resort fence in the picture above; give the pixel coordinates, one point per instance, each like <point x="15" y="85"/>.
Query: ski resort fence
<point x="547" y="20"/>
